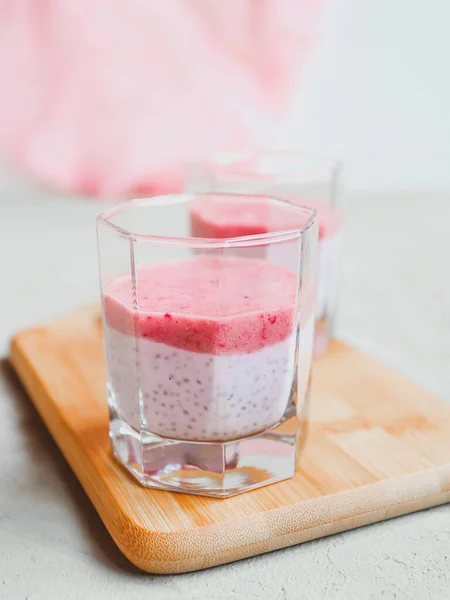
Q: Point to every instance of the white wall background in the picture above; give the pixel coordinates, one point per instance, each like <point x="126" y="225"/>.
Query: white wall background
<point x="377" y="93"/>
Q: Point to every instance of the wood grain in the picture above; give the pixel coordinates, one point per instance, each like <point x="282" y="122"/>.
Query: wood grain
<point x="378" y="447"/>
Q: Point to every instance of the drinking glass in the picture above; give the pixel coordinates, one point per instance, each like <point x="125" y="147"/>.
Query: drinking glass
<point x="307" y="180"/>
<point x="206" y="342"/>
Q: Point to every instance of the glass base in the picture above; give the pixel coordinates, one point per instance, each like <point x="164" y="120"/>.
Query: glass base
<point x="217" y="469"/>
<point x="322" y="336"/>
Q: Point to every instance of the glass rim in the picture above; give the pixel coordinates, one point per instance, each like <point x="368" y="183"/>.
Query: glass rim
<point x="247" y="163"/>
<point x="104" y="219"/>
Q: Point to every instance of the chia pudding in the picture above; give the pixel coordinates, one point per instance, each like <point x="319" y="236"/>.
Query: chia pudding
<point x="202" y="349"/>
<point x="215" y="217"/>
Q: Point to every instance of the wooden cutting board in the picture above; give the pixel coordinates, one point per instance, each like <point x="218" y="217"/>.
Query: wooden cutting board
<point x="378" y="447"/>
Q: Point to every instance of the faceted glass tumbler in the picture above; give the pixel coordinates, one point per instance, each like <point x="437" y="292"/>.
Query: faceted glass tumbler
<point x="308" y="181"/>
<point x="208" y="343"/>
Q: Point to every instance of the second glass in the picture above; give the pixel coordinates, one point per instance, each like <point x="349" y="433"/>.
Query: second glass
<point x="304" y="179"/>
<point x="207" y="346"/>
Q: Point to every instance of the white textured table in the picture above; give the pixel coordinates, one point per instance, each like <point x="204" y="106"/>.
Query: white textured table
<point x="395" y="304"/>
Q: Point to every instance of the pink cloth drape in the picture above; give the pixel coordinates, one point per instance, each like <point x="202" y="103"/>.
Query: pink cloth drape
<point x="111" y="97"/>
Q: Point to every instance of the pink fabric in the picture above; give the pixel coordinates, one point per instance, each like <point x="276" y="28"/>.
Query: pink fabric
<point x="112" y="96"/>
